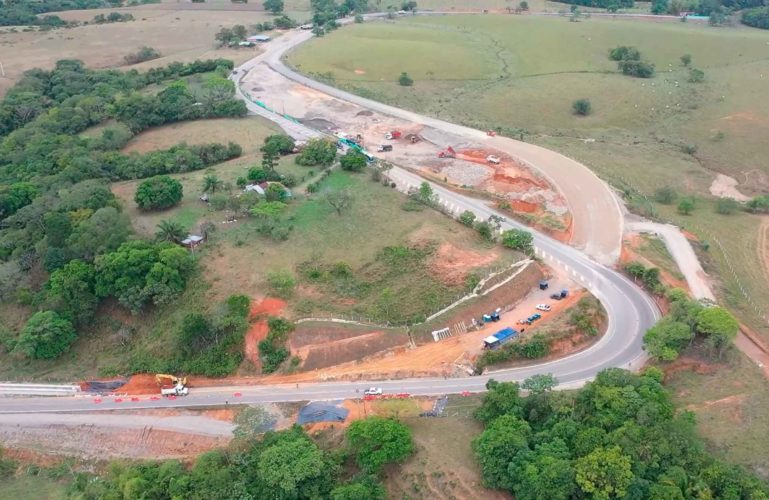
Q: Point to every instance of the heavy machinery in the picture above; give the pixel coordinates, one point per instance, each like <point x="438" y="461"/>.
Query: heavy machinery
<point x="393" y="135"/>
<point x="171" y="385"/>
<point x="447" y="153"/>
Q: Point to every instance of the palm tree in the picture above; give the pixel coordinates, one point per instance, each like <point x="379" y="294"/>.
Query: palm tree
<point x="211" y="183"/>
<point x="169" y="230"/>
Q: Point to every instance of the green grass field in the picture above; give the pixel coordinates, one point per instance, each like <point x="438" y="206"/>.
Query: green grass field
<point x="524" y="72"/>
<point x="28" y="487"/>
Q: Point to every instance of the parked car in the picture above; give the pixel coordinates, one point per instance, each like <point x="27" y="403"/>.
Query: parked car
<point x="384" y="148"/>
<point x="543" y="285"/>
<point x="543" y="307"/>
<point x="493" y="159"/>
<point x="373" y="391"/>
<point x="534" y="317"/>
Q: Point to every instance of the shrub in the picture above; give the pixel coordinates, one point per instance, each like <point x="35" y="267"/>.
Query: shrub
<point x="757" y="17"/>
<point x="696" y="75"/>
<point x="759" y="204"/>
<point x="143" y="54"/>
<point x="639" y="69"/>
<point x="278" y="144"/>
<point x="624" y="53"/>
<point x="467" y="218"/>
<point x="158" y="193"/>
<point x="405" y="80"/>
<point x="518" y="239"/>
<point x="281" y="283"/>
<point x="686" y="59"/>
<point x="665" y="195"/>
<point x="582" y="107"/>
<point x="726" y="206"/>
<point x="317" y="152"/>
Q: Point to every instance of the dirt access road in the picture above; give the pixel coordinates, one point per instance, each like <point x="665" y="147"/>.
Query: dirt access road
<point x="597" y="222"/>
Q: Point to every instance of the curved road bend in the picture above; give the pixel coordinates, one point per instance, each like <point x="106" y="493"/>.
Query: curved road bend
<point x="630" y="312"/>
<point x="596" y="215"/>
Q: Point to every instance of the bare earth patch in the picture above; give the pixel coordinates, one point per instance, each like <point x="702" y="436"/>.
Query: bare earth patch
<point x="453" y="264"/>
<point x="724" y="186"/>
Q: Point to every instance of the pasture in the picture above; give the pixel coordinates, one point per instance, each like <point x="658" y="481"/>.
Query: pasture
<point x="524" y="73"/>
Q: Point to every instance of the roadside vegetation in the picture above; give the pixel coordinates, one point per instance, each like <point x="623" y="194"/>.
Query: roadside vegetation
<point x="598" y="441"/>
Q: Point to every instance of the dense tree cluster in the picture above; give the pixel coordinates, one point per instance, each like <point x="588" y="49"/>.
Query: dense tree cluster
<point x="284" y="465"/>
<point x="317" y="152"/>
<point x="758" y="17"/>
<point x="112" y="17"/>
<point x="272" y="350"/>
<point x="687" y="321"/>
<point x="619" y="437"/>
<point x="326" y="12"/>
<point x="158" y="193"/>
<point x="604" y="4"/>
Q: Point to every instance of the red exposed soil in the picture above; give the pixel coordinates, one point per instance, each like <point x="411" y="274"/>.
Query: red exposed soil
<point x="629" y="254"/>
<point x="351" y="349"/>
<point x="690" y="364"/>
<point x="523" y="206"/>
<point x="259" y="329"/>
<point x="142" y="383"/>
<point x="452" y="264"/>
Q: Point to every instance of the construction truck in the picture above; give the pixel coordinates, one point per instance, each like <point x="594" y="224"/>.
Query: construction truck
<point x="447" y="153"/>
<point x="171" y="385"/>
<point x="393" y="134"/>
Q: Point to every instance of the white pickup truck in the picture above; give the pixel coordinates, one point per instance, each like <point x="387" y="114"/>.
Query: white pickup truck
<point x="177" y="390"/>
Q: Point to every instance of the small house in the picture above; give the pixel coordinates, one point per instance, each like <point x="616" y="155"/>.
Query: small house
<point x="256" y="188"/>
<point x="258" y="39"/>
<point x="192" y="241"/>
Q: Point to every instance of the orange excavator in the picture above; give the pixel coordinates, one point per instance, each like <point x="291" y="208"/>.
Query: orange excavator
<point x="447" y="153"/>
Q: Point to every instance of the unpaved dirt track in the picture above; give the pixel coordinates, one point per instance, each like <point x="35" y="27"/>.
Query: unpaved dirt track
<point x="184" y="423"/>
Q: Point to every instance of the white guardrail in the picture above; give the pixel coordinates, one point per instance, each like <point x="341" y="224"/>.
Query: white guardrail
<point x="10" y="389"/>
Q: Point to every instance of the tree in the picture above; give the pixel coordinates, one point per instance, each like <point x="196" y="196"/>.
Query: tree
<point x="467" y="218"/>
<point x="624" y="53"/>
<point x="252" y="421"/>
<point x="158" y="193"/>
<point x="269" y="157"/>
<point x="499" y="445"/>
<point x="665" y="340"/>
<point x="582" y="107"/>
<point x="169" y="230"/>
<point x="353" y="161"/>
<point x="604" y="473"/>
<point x="686" y="59"/>
<point x="292" y="469"/>
<point x="317" y="152"/>
<point x="46" y="335"/>
<point x="279" y="144"/>
<point x="659" y="7"/>
<point x="365" y="489"/>
<point x="73" y="287"/>
<point x="211" y="183"/>
<point x="405" y="80"/>
<point x="273" y="6"/>
<point x="485" y="230"/>
<point x="546" y="472"/>
<point x="518" y="239"/>
<point x="542" y="382"/>
<point x="378" y="441"/>
<point x="409" y="6"/>
<point x="686" y="205"/>
<point x="502" y="398"/>
<point x="340" y="200"/>
<point x="523" y="5"/>
<point x="639" y="69"/>
<point x="275" y="192"/>
<point x="759" y="204"/>
<point x="426" y="195"/>
<point x="718" y="326"/>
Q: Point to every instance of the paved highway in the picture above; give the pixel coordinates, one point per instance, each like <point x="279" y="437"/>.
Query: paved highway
<point x="630" y="313"/>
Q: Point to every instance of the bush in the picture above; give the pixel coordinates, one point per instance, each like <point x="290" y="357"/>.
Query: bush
<point x="378" y="441"/>
<point x="624" y="53"/>
<point x="665" y="195"/>
<point x="317" y="152"/>
<point x="582" y="107"/>
<point x="142" y="55"/>
<point x="696" y="75"/>
<point x="46" y="335"/>
<point x="727" y="206"/>
<point x="405" y="80"/>
<point x="281" y="283"/>
<point x="485" y="230"/>
<point x="759" y="204"/>
<point x="272" y="350"/>
<point x="518" y="239"/>
<point x="467" y="218"/>
<point x="639" y="69"/>
<point x="278" y="144"/>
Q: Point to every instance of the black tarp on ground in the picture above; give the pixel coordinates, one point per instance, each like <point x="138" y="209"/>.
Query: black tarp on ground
<point x="322" y="411"/>
<point x="104" y="385"/>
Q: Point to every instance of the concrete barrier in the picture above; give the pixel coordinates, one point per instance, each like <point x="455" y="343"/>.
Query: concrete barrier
<point x="11" y="389"/>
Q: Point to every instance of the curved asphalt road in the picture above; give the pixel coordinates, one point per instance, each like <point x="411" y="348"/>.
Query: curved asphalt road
<point x="630" y="312"/>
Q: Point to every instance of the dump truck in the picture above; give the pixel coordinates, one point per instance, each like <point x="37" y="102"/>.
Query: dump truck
<point x="384" y="148"/>
<point x="393" y="134"/>
<point x="499" y="338"/>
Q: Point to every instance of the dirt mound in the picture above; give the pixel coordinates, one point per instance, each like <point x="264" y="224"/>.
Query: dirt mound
<point x="140" y="384"/>
<point x="452" y="264"/>
<point x="523" y="206"/>
<point x="690" y="364"/>
<point x="351" y="349"/>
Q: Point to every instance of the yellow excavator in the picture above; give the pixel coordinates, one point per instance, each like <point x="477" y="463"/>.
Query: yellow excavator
<point x="171" y="385"/>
